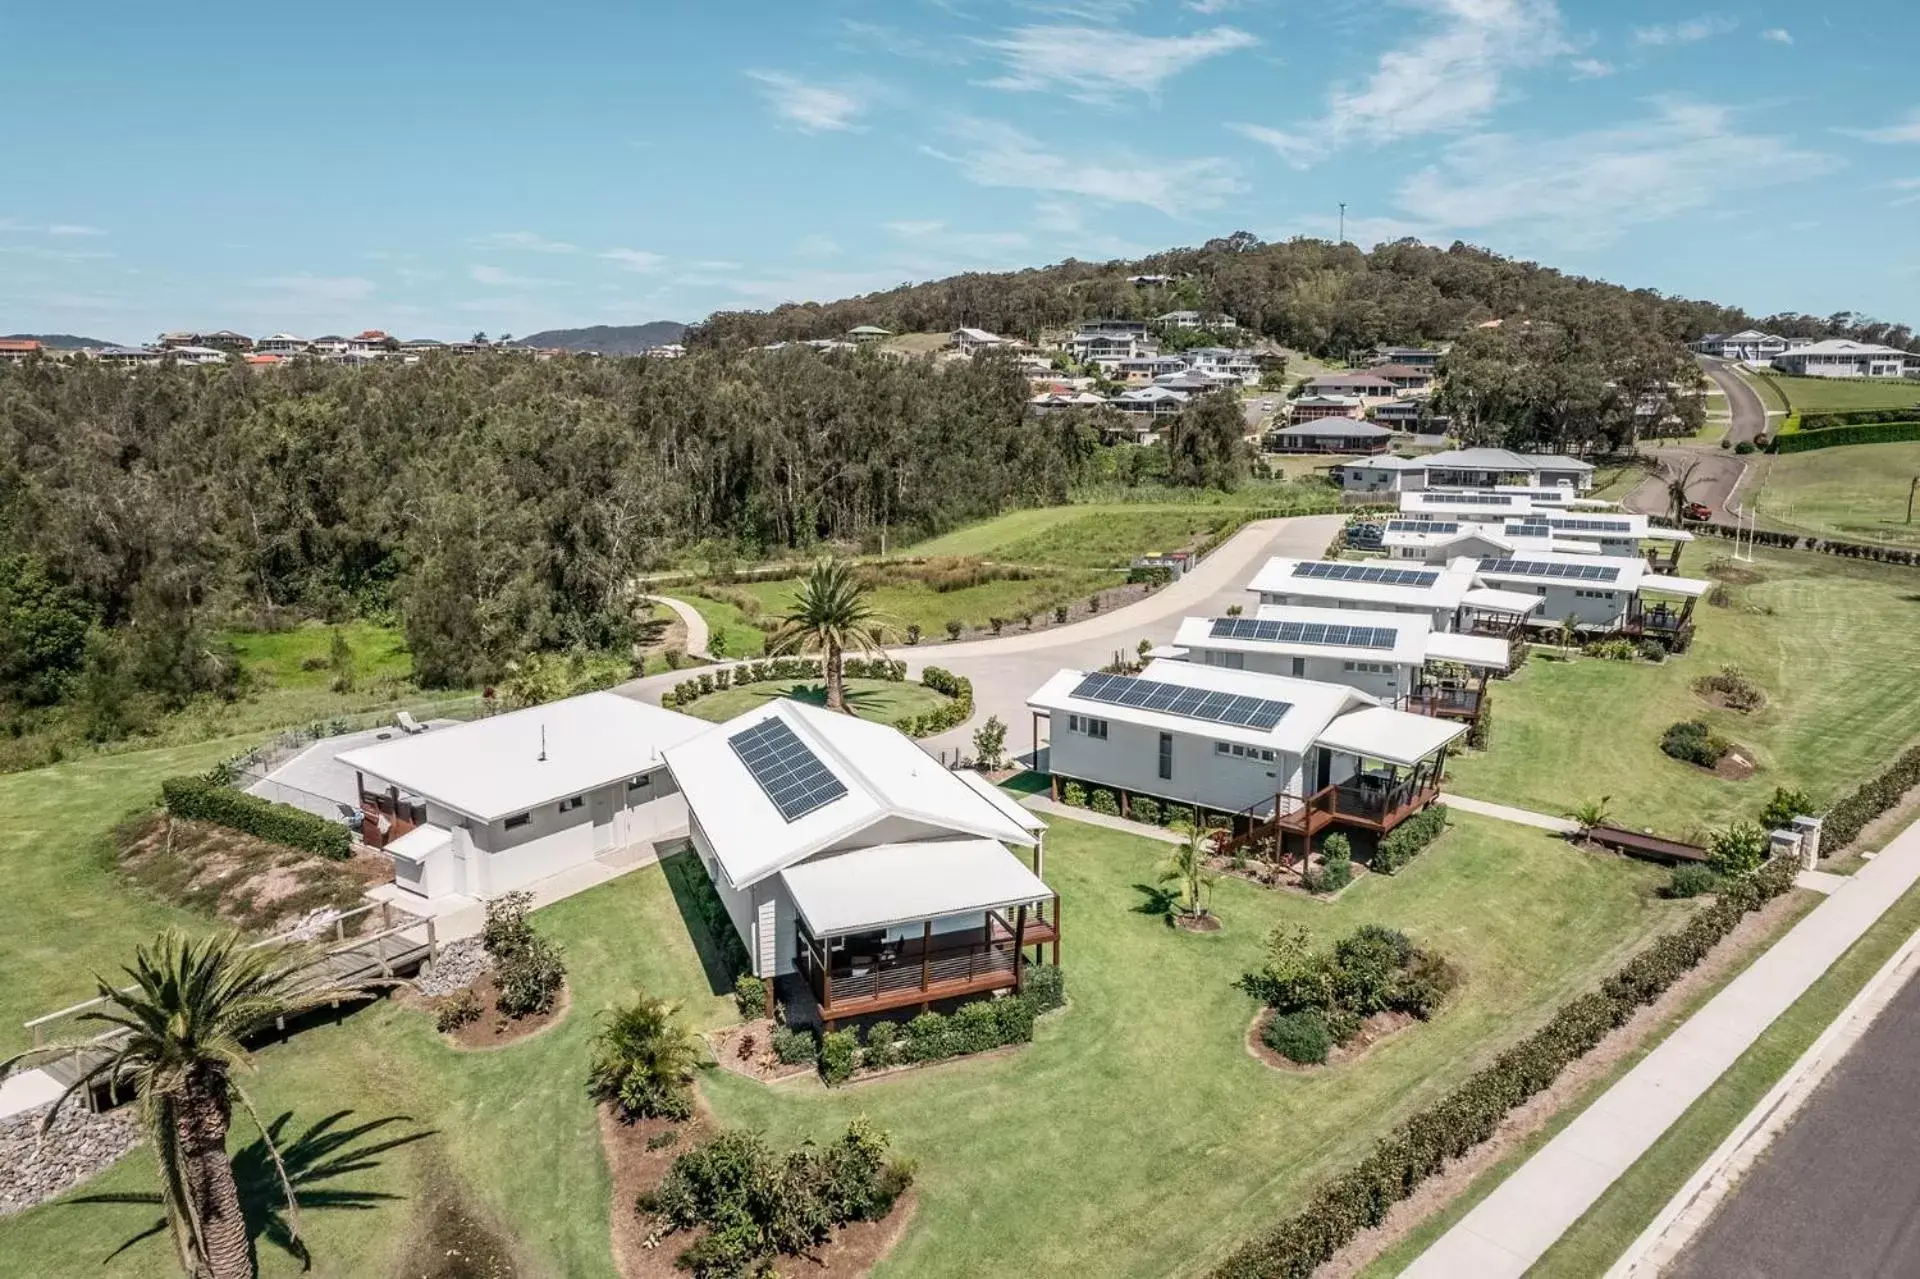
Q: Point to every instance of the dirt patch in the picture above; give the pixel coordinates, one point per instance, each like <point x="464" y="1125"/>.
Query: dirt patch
<point x="493" y="1028"/>
<point x="1733" y="953"/>
<point x="1286" y="879"/>
<point x="1734" y="574"/>
<point x="1374" y="1030"/>
<point x="638" y="1157"/>
<point x="1736" y="765"/>
<point x="454" y="1241"/>
<point x="254" y="885"/>
<point x="1197" y="923"/>
<point x="747" y="1049"/>
<point x="1725" y="701"/>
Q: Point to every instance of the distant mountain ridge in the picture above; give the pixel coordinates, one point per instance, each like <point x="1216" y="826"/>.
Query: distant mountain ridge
<point x="56" y="341"/>
<point x="608" y="339"/>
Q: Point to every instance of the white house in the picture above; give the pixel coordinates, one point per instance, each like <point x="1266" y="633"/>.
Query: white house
<point x="1293" y="754"/>
<point x="1156" y="401"/>
<point x="1381" y="477"/>
<point x="1599" y="593"/>
<point x="280" y="344"/>
<point x="1489" y="468"/>
<point x="1487" y="506"/>
<point x="1370" y="586"/>
<point x="968" y="341"/>
<point x="847" y="856"/>
<point x="1243" y="366"/>
<point x="490" y="806"/>
<point x="1843" y="357"/>
<point x="1749" y="345"/>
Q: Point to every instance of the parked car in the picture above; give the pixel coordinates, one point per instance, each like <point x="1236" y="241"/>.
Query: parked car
<point x="1697" y="511"/>
<point x="1367" y="537"/>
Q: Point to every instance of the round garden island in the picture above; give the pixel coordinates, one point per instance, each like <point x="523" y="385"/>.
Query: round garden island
<point x="916" y="708"/>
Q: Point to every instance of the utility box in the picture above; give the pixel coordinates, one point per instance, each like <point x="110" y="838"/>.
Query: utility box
<point x="1809" y="828"/>
<point x="1787" y="843"/>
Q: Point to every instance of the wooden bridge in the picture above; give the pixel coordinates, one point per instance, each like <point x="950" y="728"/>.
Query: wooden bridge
<point x="400" y="944"/>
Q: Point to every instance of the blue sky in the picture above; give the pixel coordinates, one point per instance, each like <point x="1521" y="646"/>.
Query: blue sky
<point x="433" y="169"/>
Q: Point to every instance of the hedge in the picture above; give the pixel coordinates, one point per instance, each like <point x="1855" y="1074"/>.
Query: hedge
<point x="1844" y="822"/>
<point x="1833" y="436"/>
<point x="1858" y="417"/>
<point x="1344" y="1205"/>
<point x="957" y="710"/>
<point x="780" y="668"/>
<point x="1408" y="838"/>
<point x="976" y="1027"/>
<point x="201" y="800"/>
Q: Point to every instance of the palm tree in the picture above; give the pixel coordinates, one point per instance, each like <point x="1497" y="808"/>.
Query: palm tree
<point x="180" y="1040"/>
<point x="1186" y="866"/>
<point x="1678" y="482"/>
<point x="1569" y="632"/>
<point x="1589" y="814"/>
<point x="830" y="613"/>
<point x="643" y="1059"/>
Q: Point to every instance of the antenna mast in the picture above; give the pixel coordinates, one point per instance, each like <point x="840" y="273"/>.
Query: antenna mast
<point x="1343" y="221"/>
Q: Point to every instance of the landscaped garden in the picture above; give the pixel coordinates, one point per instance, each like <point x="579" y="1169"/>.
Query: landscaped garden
<point x="1829" y="641"/>
<point x="884" y="701"/>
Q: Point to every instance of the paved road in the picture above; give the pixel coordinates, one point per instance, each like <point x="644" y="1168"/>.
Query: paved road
<point x="1005" y="670"/>
<point x="697" y="636"/>
<point x="1749" y="412"/>
<point x="1717" y="470"/>
<point x="1838" y="1193"/>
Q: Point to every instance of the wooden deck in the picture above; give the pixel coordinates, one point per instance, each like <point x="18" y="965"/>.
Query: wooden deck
<point x="1446" y="703"/>
<point x="1651" y="848"/>
<point x="917" y="971"/>
<point x="1342" y="804"/>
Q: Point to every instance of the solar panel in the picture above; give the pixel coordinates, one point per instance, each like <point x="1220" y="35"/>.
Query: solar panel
<point x="1423" y="526"/>
<point x="1178" y="699"/>
<point x="1578" y="525"/>
<point x="791" y="775"/>
<point x="1338" y="572"/>
<point x="1469" y="499"/>
<point x="1540" y="568"/>
<point x="1277" y="632"/>
<point x="1528" y="530"/>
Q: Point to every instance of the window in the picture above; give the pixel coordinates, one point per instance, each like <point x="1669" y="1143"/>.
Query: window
<point x="518" y="820"/>
<point x="568" y="805"/>
<point x="1087" y="725"/>
<point x="1367" y="668"/>
<point x="1166" y="756"/>
<point x="1299" y="668"/>
<point x="639" y="783"/>
<point x="1234" y="750"/>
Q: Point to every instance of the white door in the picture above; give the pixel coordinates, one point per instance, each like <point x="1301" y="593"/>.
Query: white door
<point x="600" y="804"/>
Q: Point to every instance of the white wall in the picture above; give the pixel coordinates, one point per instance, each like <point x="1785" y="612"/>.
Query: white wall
<point x="1442" y="617"/>
<point x="1394" y="681"/>
<point x="1129" y="759"/>
<point x="1591" y="605"/>
<point x="498" y="860"/>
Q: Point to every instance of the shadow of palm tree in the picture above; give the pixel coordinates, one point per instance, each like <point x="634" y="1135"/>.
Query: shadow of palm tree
<point x="328" y="1149"/>
<point x="1156" y="902"/>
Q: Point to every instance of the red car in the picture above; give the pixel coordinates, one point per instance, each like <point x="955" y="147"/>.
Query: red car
<point x="1697" y="511"/>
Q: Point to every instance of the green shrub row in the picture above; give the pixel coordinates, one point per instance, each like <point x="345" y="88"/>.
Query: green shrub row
<point x="199" y="799"/>
<point x="1833" y="436"/>
<point x="957" y="710"/>
<point x="1858" y="417"/>
<point x="693" y="887"/>
<point x="779" y="668"/>
<point x="1408" y="838"/>
<point x="977" y="1027"/>
<point x="1845" y="820"/>
<point x="1344" y="1205"/>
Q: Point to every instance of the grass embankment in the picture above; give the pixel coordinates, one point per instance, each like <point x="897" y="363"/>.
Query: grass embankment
<point x="1858" y="493"/>
<point x="1142" y="1086"/>
<point x="1833" y="643"/>
<point x="883" y="701"/>
<point x="1835" y="395"/>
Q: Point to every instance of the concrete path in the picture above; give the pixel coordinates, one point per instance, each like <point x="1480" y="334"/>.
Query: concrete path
<point x="27" y="1090"/>
<point x="698" y="636"/>
<point x="456" y="915"/>
<point x="1041" y="804"/>
<point x="1510" y="1229"/>
<point x="1518" y="816"/>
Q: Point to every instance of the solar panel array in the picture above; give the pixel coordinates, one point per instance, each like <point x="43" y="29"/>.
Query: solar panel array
<point x="1470" y="499"/>
<point x="1277" y="632"/>
<point x="1528" y="530"/>
<point x="1335" y="572"/>
<point x="1575" y="524"/>
<point x="1179" y="699"/>
<point x="1423" y="526"/>
<point x="792" y="775"/>
<point x="1540" y="568"/>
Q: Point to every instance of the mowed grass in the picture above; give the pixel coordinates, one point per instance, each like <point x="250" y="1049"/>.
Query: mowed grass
<point x="1081" y="536"/>
<point x="1833" y="642"/>
<point x="883" y="701"/>
<point x="1084" y="1153"/>
<point x="280" y="657"/>
<point x="1857" y="493"/>
<point x="1836" y="395"/>
<point x="918" y="604"/>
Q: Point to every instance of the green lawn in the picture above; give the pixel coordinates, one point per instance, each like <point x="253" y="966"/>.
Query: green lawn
<point x="1084" y="1153"/>
<point x="728" y="626"/>
<point x="1856" y="493"/>
<point x="1767" y="388"/>
<point x="1080" y="536"/>
<point x="1835" y="395"/>
<point x="918" y="604"/>
<point x="380" y="653"/>
<point x="1832" y="641"/>
<point x="885" y="701"/>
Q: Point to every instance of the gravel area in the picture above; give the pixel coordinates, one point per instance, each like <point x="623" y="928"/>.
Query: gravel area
<point x="461" y="963"/>
<point x="36" y="1166"/>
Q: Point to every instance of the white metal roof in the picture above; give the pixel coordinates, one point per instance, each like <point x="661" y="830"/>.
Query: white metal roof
<point x="1469" y="650"/>
<point x="1459" y="504"/>
<point x="1276" y="578"/>
<point x="1002" y="801"/>
<point x="1490" y="600"/>
<point x="885" y="775"/>
<point x="1390" y="735"/>
<point x="1485" y="459"/>
<point x="493" y="767"/>
<point x="1409" y="645"/>
<point x="1631" y="569"/>
<point x="1689" y="587"/>
<point x="1657" y="534"/>
<point x="1311" y="704"/>
<point x="1384" y="462"/>
<point x="892" y="884"/>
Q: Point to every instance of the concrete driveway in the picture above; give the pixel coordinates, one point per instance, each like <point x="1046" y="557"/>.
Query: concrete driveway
<point x="1006" y="669"/>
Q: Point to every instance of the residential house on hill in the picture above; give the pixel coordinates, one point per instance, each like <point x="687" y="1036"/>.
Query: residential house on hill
<point x="1330" y="435"/>
<point x="1843" y="357"/>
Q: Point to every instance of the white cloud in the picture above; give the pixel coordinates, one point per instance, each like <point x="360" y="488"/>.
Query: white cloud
<point x="1212" y="6"/>
<point x="73" y="228"/>
<point x="1359" y="229"/>
<point x="1097" y="64"/>
<point x="992" y="154"/>
<point x="635" y="259"/>
<point x="1591" y="69"/>
<point x="319" y="288"/>
<point x="717" y="264"/>
<point x="1779" y="35"/>
<point x="817" y="245"/>
<point x="901" y="44"/>
<point x="527" y="241"/>
<point x="1911" y="188"/>
<point x="810" y="108"/>
<point x="54" y="255"/>
<point x="1588" y="187"/>
<point x="967" y="246"/>
<point x="913" y="230"/>
<point x="1691" y="31"/>
<point x="494" y="277"/>
<point x="1906" y="131"/>
<point x="1446" y="78"/>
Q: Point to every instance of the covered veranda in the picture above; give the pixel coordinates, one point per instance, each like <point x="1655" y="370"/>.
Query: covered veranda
<point x="903" y="925"/>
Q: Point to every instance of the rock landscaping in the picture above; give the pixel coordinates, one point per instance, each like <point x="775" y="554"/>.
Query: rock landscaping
<point x="460" y="964"/>
<point x="36" y="1166"/>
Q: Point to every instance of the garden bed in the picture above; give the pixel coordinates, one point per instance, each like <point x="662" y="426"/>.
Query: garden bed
<point x="240" y="879"/>
<point x="882" y="701"/>
<point x="758" y="1063"/>
<point x="1373" y="1030"/>
<point x="493" y="1028"/>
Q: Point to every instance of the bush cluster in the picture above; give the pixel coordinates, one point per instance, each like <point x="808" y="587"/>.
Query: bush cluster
<point x="1845" y="820"/>
<point x="779" y="668"/>
<point x="1074" y="795"/>
<point x="1857" y="417"/>
<point x="1691" y="740"/>
<point x="1371" y="970"/>
<point x="455" y="1011"/>
<point x="757" y="1205"/>
<point x="1409" y="838"/>
<point x="750" y="996"/>
<point x="1690" y="879"/>
<point x="1299" y="1036"/>
<point x="1103" y="801"/>
<point x="1732" y="686"/>
<point x="528" y="968"/>
<point x="1785" y="805"/>
<point x="1872" y="433"/>
<point x="791" y="1046"/>
<point x="1146" y="809"/>
<point x="698" y="891"/>
<point x="1344" y="1205"/>
<point x="1336" y="866"/>
<point x="977" y="1027"/>
<point x="1480" y="732"/>
<point x="1615" y="650"/>
<point x="957" y="710"/>
<point x="1155" y="575"/>
<point x="200" y="799"/>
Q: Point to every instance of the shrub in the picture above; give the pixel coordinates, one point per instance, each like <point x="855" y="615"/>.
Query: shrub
<point x="884" y="1047"/>
<point x="456" y="1010"/>
<point x="1179" y="815"/>
<point x="954" y="627"/>
<point x="1733" y="688"/>
<point x="974" y="1028"/>
<point x="1102" y="801"/>
<point x="1059" y="614"/>
<point x="750" y="996"/>
<point x="676" y="657"/>
<point x="1845" y="819"/>
<point x="927" y="1037"/>
<point x="202" y="800"/>
<point x="1691" y="740"/>
<point x="791" y="1046"/>
<point x="1858" y="417"/>
<point x="1480" y="732"/>
<point x="1336" y="863"/>
<point x="1093" y="603"/>
<point x="1146" y="810"/>
<point x="1614" y="650"/>
<point x="913" y="632"/>
<point x="1074" y="795"/>
<point x="990" y="742"/>
<point x="1690" y="880"/>
<point x="1875" y="433"/>
<point x="1784" y="807"/>
<point x="1737" y="850"/>
<point x="1045" y="987"/>
<point x="838" y="1051"/>
<point x="530" y="978"/>
<point x="1409" y="838"/>
<point x="1366" y="963"/>
<point x="996" y="624"/>
<point x="1652" y="650"/>
<point x="643" y="1057"/>
<point x="1743" y="447"/>
<point x="1299" y="1036"/>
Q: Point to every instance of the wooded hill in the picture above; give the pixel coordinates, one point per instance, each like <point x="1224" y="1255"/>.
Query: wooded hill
<point x="607" y="339"/>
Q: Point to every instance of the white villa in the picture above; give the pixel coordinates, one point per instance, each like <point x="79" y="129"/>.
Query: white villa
<point x="1471" y="469"/>
<point x="1842" y="357"/>
<point x="1436" y="593"/>
<point x="1749" y="345"/>
<point x="1509" y="519"/>
<point x="1600" y="593"/>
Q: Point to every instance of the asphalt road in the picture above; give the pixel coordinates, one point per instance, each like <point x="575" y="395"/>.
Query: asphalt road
<point x="1839" y="1191"/>
<point x="1716" y="470"/>
<point x="1749" y="413"/>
